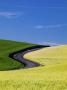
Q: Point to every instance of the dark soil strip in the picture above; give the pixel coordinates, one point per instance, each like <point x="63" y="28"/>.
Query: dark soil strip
<point x="18" y="56"/>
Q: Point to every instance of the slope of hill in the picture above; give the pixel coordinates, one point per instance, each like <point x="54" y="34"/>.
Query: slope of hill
<point x="49" y="56"/>
<point x="51" y="76"/>
<point x="7" y="47"/>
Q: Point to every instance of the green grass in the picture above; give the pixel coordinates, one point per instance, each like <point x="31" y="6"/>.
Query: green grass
<point x="7" y="47"/>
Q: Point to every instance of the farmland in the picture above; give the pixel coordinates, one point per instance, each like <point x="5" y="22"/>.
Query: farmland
<point x="51" y="76"/>
<point x="7" y="47"/>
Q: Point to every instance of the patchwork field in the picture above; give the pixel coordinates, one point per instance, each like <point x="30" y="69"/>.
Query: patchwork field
<point x="51" y="76"/>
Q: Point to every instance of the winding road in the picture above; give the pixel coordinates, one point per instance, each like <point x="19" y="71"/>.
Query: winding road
<point x="18" y="56"/>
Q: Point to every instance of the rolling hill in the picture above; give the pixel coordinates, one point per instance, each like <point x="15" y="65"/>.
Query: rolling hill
<point x="7" y="47"/>
<point x="51" y="76"/>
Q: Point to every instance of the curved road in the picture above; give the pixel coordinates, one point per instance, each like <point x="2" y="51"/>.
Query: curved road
<point x="27" y="63"/>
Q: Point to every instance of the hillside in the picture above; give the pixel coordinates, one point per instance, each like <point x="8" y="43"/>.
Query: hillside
<point x="51" y="76"/>
<point x="7" y="47"/>
<point x="50" y="55"/>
